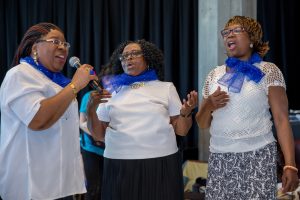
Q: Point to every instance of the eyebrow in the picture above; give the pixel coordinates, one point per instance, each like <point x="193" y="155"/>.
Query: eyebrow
<point x="57" y="38"/>
<point x="133" y="51"/>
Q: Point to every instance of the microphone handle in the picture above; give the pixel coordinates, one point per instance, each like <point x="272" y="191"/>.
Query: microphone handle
<point x="95" y="85"/>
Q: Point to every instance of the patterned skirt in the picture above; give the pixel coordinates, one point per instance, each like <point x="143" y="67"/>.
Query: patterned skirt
<point x="143" y="179"/>
<point x="243" y="176"/>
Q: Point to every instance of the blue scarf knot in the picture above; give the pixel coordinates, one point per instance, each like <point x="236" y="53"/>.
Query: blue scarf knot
<point x="56" y="77"/>
<point x="234" y="78"/>
<point x="114" y="83"/>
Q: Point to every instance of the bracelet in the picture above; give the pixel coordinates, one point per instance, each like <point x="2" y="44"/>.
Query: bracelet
<point x="74" y="90"/>
<point x="185" y="116"/>
<point x="290" y="167"/>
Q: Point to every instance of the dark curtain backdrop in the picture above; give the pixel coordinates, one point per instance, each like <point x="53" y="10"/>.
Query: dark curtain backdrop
<point x="279" y="20"/>
<point x="94" y="28"/>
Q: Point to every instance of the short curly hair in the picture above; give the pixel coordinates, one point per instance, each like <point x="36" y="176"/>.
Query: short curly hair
<point x="253" y="28"/>
<point x="152" y="54"/>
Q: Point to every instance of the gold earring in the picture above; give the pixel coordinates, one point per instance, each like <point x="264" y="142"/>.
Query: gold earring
<point x="35" y="57"/>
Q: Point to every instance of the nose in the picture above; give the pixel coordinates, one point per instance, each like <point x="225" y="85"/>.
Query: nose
<point x="62" y="46"/>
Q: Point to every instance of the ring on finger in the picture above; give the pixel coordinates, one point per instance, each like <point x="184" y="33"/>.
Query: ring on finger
<point x="188" y="104"/>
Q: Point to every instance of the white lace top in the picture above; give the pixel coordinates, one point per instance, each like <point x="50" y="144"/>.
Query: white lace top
<point x="244" y="124"/>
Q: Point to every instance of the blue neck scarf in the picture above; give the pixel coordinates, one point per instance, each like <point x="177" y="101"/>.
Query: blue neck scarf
<point x="56" y="77"/>
<point x="114" y="83"/>
<point x="234" y="78"/>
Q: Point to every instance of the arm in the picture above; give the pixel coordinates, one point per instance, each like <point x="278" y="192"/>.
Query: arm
<point x="83" y="123"/>
<point x="279" y="106"/>
<point x="214" y="101"/>
<point x="82" y="113"/>
<point x="183" y="122"/>
<point x="51" y="109"/>
<point x="203" y="116"/>
<point x="95" y="126"/>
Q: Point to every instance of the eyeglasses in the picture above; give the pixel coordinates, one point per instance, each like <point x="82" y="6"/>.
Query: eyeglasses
<point x="132" y="54"/>
<point x="57" y="42"/>
<point x="236" y="31"/>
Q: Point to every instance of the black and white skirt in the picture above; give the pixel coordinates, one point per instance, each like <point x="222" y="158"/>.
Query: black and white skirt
<point x="243" y="176"/>
<point x="143" y="179"/>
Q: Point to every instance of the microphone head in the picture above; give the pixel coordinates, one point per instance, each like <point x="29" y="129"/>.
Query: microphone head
<point x="74" y="62"/>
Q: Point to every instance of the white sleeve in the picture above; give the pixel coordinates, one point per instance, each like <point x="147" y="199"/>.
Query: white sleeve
<point x="23" y="94"/>
<point x="207" y="85"/>
<point x="102" y="112"/>
<point x="273" y="76"/>
<point x="174" y="101"/>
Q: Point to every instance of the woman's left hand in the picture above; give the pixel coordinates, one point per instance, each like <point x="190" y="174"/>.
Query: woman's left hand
<point x="190" y="104"/>
<point x="290" y="180"/>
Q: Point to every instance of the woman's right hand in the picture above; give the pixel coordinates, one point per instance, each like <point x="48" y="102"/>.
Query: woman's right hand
<point x="96" y="98"/>
<point x="216" y="100"/>
<point x="83" y="76"/>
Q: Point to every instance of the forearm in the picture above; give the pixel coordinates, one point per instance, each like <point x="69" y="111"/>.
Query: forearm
<point x="52" y="109"/>
<point x="203" y="116"/>
<point x="95" y="126"/>
<point x="286" y="141"/>
<point x="83" y="127"/>
<point x="183" y="125"/>
<point x="279" y="107"/>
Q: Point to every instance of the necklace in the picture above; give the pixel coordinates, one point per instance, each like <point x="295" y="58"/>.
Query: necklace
<point x="137" y="85"/>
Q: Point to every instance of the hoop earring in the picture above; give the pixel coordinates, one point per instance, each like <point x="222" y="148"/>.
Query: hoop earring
<point x="251" y="45"/>
<point x="35" y="57"/>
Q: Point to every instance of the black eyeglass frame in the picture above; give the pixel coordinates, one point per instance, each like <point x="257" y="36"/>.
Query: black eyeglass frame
<point x="237" y="30"/>
<point x="131" y="54"/>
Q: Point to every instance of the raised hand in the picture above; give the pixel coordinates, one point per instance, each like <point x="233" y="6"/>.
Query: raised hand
<point x="218" y="99"/>
<point x="190" y="103"/>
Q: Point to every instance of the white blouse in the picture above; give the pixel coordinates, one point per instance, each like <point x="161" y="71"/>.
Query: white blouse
<point x="37" y="164"/>
<point x="244" y="124"/>
<point x="139" y="121"/>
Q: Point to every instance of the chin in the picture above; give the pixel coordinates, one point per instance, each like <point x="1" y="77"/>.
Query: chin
<point x="59" y="69"/>
<point x="131" y="73"/>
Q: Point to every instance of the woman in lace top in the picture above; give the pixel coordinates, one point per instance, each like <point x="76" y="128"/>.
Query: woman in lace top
<point x="236" y="103"/>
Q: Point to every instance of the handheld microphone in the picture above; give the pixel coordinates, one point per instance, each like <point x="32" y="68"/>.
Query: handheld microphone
<point x="75" y="62"/>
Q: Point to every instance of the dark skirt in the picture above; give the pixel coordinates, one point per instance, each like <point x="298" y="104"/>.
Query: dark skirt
<point x="243" y="176"/>
<point x="93" y="168"/>
<point x="143" y="179"/>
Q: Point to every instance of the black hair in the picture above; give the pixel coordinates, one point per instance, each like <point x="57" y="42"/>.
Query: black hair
<point x="152" y="55"/>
